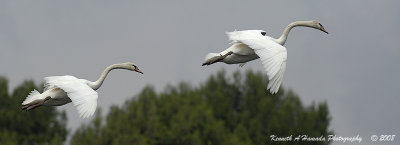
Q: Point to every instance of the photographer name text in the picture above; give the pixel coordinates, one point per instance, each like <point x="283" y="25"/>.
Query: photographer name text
<point x="308" y="138"/>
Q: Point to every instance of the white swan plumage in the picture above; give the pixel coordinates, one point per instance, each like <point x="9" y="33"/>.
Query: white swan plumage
<point x="248" y="45"/>
<point x="60" y="90"/>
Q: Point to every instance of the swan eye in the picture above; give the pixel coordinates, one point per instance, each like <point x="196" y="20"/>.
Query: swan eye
<point x="263" y="33"/>
<point x="320" y="25"/>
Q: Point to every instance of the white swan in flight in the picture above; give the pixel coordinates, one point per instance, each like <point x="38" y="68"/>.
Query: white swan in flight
<point x="60" y="90"/>
<point x="252" y="44"/>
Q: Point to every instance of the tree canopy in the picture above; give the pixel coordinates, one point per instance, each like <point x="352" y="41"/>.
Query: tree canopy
<point x="44" y="125"/>
<point x="236" y="110"/>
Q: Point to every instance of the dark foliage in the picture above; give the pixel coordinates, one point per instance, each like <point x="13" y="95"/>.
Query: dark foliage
<point x="222" y="111"/>
<point x="44" y="125"/>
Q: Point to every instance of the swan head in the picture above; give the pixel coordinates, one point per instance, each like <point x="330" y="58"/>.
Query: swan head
<point x="130" y="66"/>
<point x="317" y="25"/>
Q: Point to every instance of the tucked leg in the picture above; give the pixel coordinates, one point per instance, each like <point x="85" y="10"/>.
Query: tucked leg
<point x="216" y="58"/>
<point x="35" y="104"/>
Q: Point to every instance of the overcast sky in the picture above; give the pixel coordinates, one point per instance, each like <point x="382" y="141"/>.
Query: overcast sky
<point x="354" y="68"/>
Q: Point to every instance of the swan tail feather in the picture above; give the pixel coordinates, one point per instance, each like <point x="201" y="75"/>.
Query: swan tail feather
<point x="34" y="95"/>
<point x="212" y="58"/>
<point x="211" y="55"/>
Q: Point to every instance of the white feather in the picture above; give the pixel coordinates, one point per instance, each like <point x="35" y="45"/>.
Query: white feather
<point x="83" y="97"/>
<point x="211" y="55"/>
<point x="34" y="95"/>
<point x="273" y="55"/>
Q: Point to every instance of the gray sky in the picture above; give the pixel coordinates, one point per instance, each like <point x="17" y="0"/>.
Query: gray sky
<point x="354" y="68"/>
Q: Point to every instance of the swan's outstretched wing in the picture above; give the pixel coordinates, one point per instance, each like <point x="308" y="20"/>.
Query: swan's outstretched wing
<point x="83" y="97"/>
<point x="273" y="55"/>
<point x="237" y="36"/>
<point x="51" y="81"/>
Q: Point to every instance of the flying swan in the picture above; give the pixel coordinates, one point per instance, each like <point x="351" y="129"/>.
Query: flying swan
<point x="248" y="45"/>
<point x="60" y="90"/>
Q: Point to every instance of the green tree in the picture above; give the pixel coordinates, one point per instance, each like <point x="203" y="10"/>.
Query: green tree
<point x="235" y="110"/>
<point x="44" y="125"/>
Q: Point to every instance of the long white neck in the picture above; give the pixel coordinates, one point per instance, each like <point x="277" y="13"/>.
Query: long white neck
<point x="281" y="40"/>
<point x="96" y="85"/>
